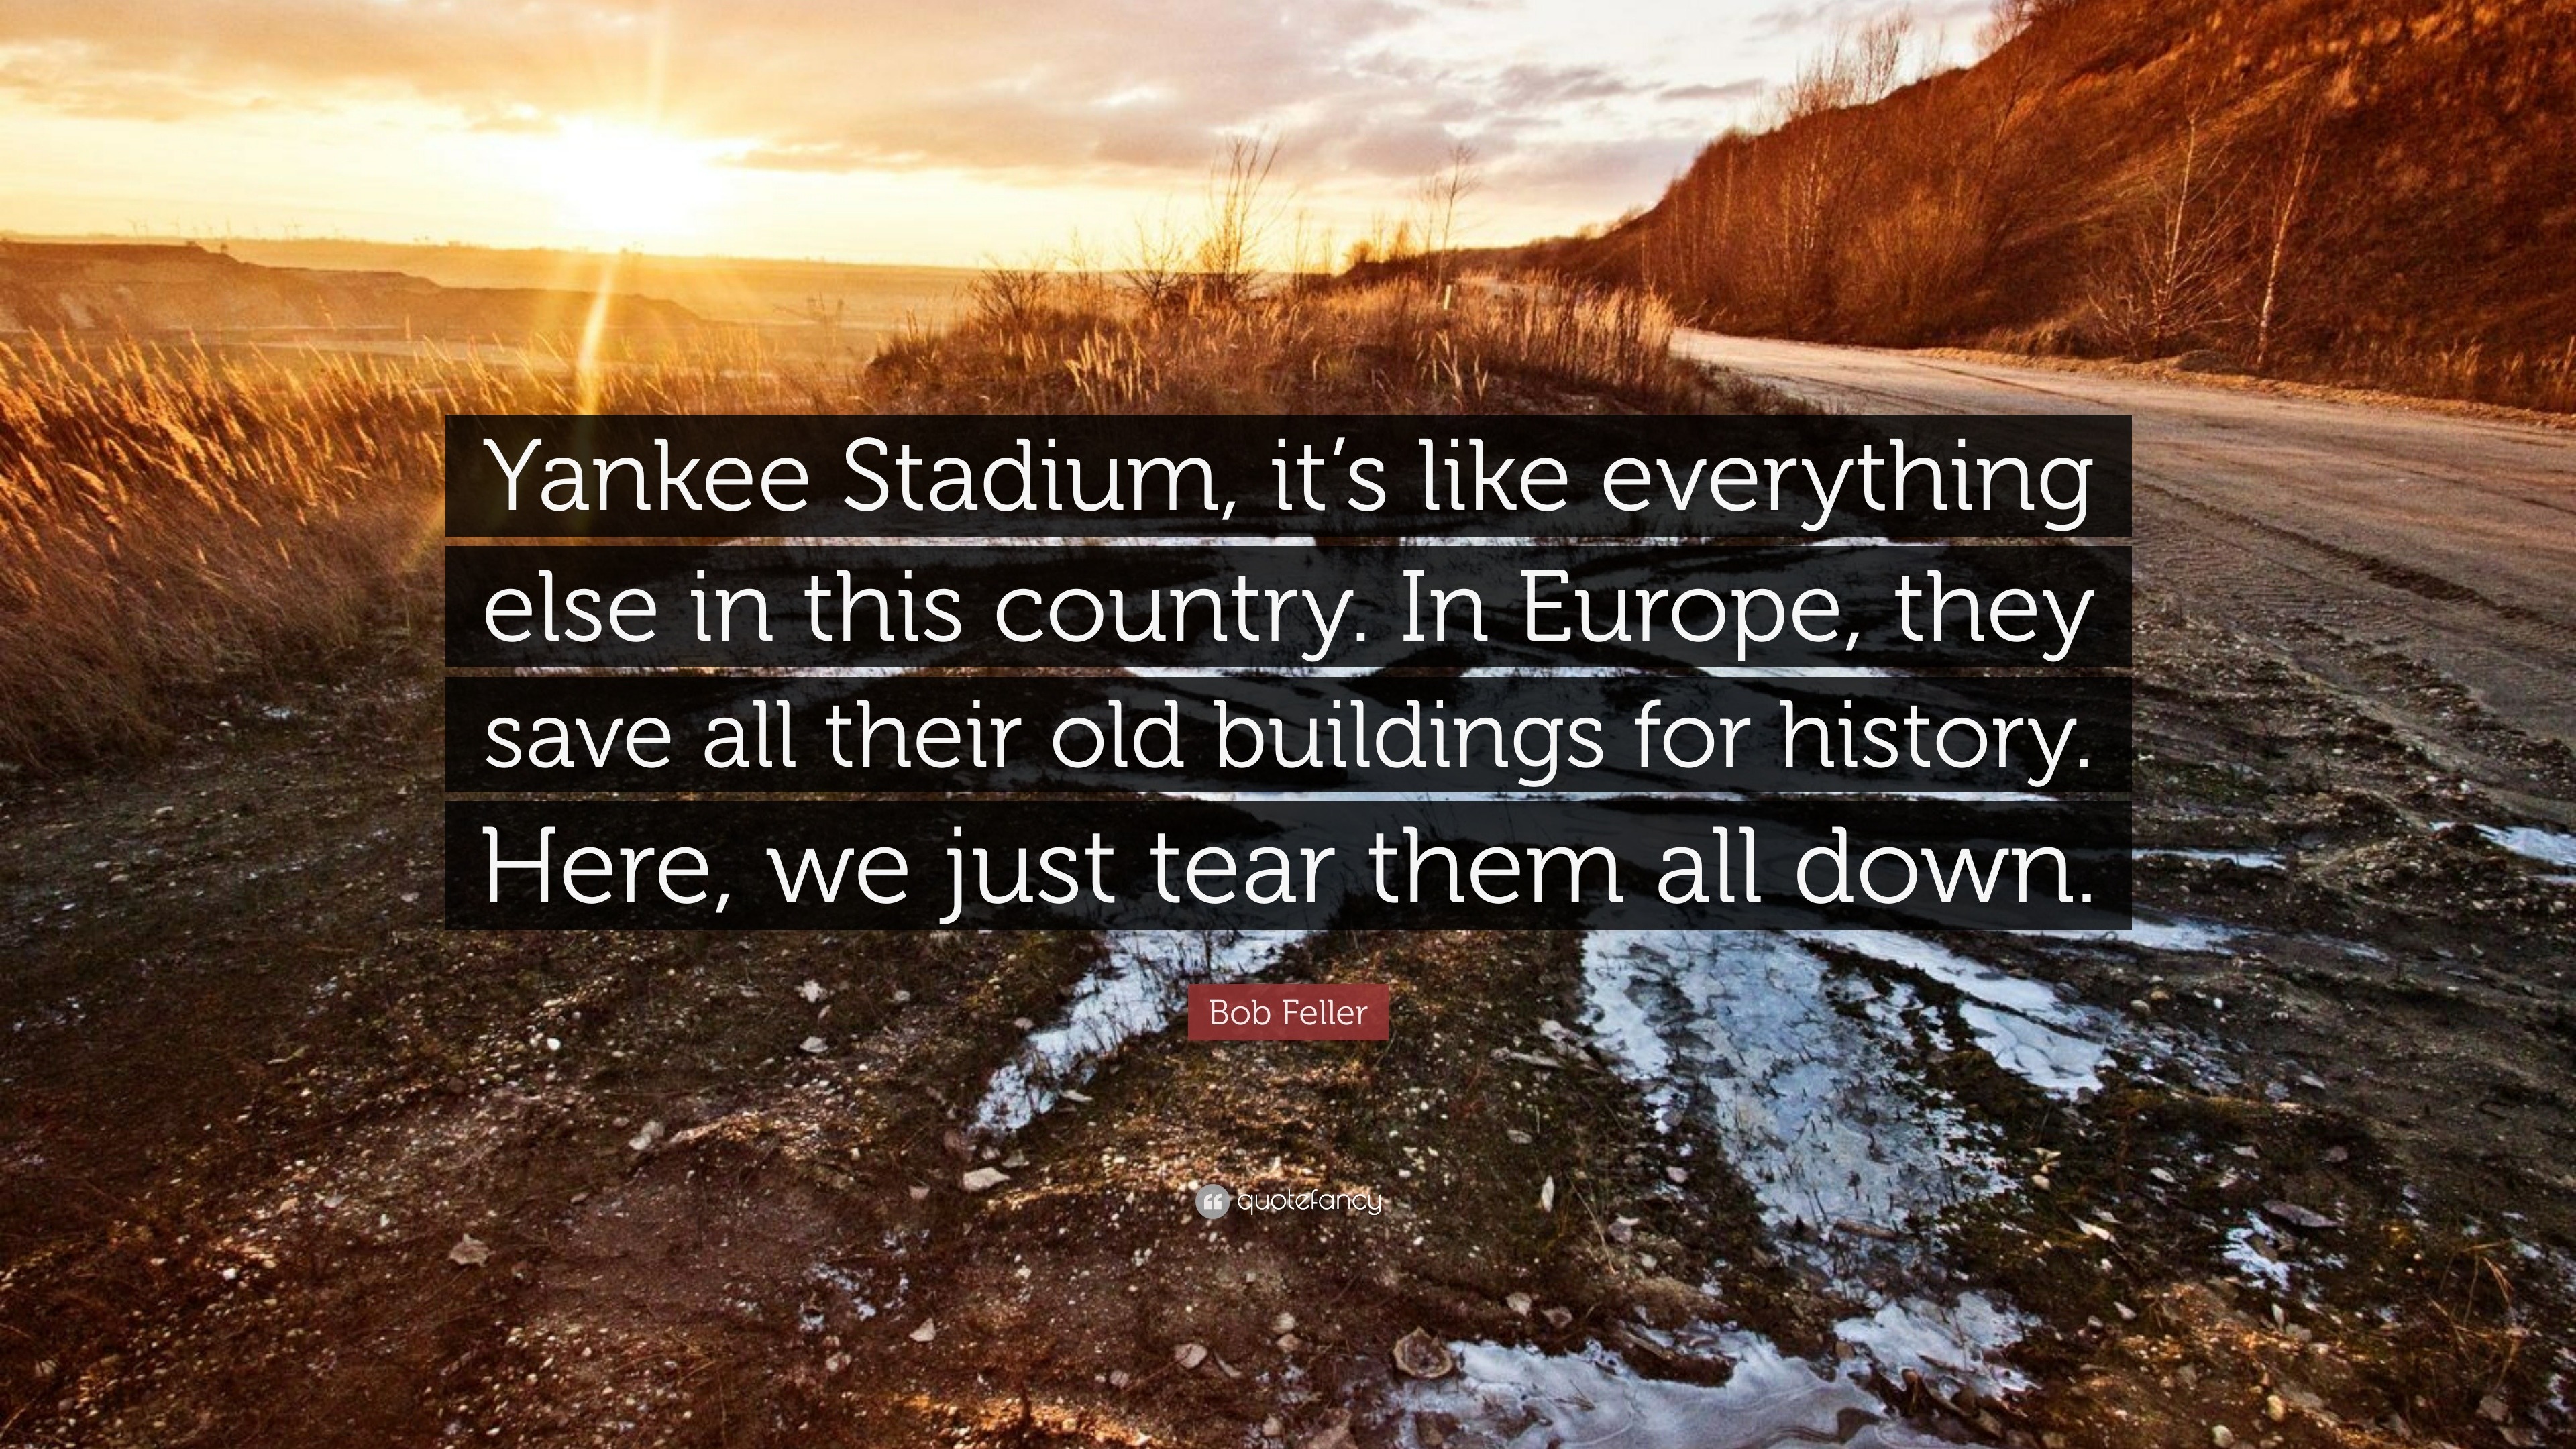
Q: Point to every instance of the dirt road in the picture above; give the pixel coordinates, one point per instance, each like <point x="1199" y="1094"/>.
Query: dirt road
<point x="2451" y="539"/>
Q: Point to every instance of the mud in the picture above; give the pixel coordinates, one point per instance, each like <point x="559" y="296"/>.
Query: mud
<point x="2289" y="1157"/>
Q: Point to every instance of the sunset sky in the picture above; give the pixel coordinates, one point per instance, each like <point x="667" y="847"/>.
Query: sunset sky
<point x="944" y="133"/>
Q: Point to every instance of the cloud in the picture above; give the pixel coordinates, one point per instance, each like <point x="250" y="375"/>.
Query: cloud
<point x="987" y="86"/>
<point x="1529" y="85"/>
<point x="975" y="83"/>
<point x="1632" y="169"/>
<point x="1741" y="90"/>
<point x="1818" y="21"/>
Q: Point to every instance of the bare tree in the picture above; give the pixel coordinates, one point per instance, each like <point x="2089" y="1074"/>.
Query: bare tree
<point x="1990" y="171"/>
<point x="2007" y="19"/>
<point x="2281" y="220"/>
<point x="1014" y="297"/>
<point x="1157" y="268"/>
<point x="1860" y="66"/>
<point x="2175" y="273"/>
<point x="1444" y="195"/>
<point x="1879" y="52"/>
<point x="1389" y="239"/>
<point x="1240" y="216"/>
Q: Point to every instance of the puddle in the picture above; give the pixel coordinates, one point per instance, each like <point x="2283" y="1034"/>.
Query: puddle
<point x="1138" y="990"/>
<point x="2149" y="934"/>
<point x="1811" y="1078"/>
<point x="2242" y="859"/>
<point x="2026" y="1026"/>
<point x="1519" y="1398"/>
<point x="1959" y="1340"/>
<point x="1802" y="1071"/>
<point x="2052" y="1061"/>
<point x="2549" y="847"/>
<point x="2245" y="1253"/>
<point x="1809" y="1075"/>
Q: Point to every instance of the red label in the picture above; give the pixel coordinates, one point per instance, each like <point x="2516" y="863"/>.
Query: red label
<point x="1287" y="1013"/>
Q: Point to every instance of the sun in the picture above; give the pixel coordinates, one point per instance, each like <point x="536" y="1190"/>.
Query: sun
<point x="617" y="184"/>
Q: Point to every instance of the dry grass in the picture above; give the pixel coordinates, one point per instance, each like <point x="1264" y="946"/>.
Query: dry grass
<point x="172" y="519"/>
<point x="2406" y="365"/>
<point x="174" y="522"/>
<point x="1041" y="343"/>
<point x="2468" y="370"/>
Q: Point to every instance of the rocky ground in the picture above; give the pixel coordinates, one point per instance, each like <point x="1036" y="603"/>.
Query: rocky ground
<point x="283" y="1162"/>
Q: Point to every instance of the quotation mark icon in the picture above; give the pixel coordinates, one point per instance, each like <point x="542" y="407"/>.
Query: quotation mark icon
<point x="1214" y="1200"/>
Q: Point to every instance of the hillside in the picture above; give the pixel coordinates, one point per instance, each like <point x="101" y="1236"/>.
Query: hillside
<point x="147" y="290"/>
<point x="866" y="300"/>
<point x="2372" y="191"/>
